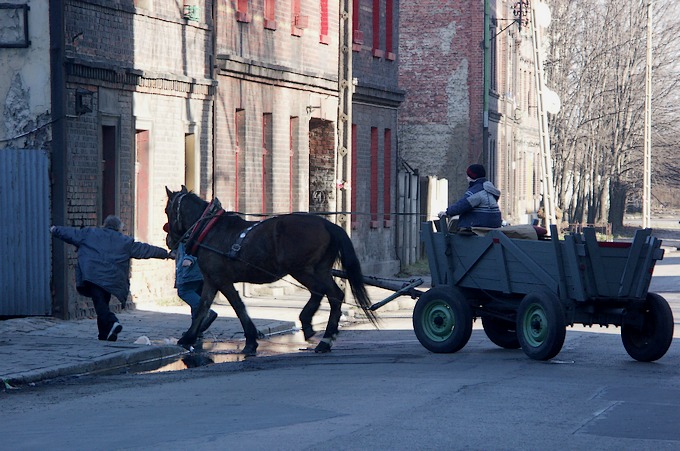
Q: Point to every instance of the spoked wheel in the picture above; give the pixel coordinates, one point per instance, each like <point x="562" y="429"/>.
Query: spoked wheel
<point x="650" y="342"/>
<point x="501" y="332"/>
<point x="442" y="320"/>
<point x="541" y="325"/>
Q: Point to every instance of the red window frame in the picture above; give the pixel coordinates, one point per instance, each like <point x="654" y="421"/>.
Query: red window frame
<point x="242" y="11"/>
<point x="353" y="182"/>
<point x="357" y="34"/>
<point x="270" y="14"/>
<point x="323" y="13"/>
<point x="387" y="178"/>
<point x="389" y="25"/>
<point x="374" y="177"/>
<point x="377" y="51"/>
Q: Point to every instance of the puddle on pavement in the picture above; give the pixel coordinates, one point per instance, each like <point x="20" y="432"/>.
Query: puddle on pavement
<point x="210" y="352"/>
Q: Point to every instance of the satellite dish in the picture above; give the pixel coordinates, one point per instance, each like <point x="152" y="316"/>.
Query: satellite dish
<point x="551" y="101"/>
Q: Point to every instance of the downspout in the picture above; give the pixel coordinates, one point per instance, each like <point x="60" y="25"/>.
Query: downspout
<point x="487" y="85"/>
<point x="58" y="163"/>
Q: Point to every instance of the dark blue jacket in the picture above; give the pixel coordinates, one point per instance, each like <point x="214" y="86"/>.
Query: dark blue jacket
<point x="479" y="206"/>
<point x="104" y="257"/>
<point x="188" y="273"/>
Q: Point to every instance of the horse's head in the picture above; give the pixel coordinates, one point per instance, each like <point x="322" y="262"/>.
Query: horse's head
<point x="183" y="209"/>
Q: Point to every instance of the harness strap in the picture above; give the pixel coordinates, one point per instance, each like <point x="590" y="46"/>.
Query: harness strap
<point x="202" y="228"/>
<point x="236" y="247"/>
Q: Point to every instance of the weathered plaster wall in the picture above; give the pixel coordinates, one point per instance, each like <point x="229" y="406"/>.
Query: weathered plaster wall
<point x="25" y="79"/>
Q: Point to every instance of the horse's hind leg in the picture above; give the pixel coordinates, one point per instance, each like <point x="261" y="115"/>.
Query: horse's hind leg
<point x="335" y="299"/>
<point x="307" y="314"/>
<point x="249" y="329"/>
<point x="320" y="284"/>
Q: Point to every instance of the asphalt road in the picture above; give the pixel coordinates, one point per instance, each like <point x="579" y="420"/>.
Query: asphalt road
<point x="378" y="389"/>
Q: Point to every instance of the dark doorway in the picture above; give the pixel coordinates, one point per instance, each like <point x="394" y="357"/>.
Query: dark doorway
<point x="109" y="170"/>
<point x="321" y="165"/>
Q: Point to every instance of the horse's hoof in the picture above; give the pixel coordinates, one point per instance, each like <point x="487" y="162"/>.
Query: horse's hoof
<point x="250" y="350"/>
<point x="309" y="332"/>
<point x="260" y="334"/>
<point x="322" y="348"/>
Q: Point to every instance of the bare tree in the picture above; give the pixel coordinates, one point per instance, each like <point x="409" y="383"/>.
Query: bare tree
<point x="596" y="62"/>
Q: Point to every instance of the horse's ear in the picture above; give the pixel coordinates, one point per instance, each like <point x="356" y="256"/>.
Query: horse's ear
<point x="167" y="190"/>
<point x="184" y="189"/>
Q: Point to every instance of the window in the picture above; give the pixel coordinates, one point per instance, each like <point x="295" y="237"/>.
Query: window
<point x="299" y="22"/>
<point x="191" y="163"/>
<point x="267" y="163"/>
<point x="357" y="34"/>
<point x="389" y="25"/>
<point x="377" y="52"/>
<point x="294" y="145"/>
<point x="239" y="156"/>
<point x="353" y="174"/>
<point x="142" y="185"/>
<point x="242" y="11"/>
<point x="374" y="177"/>
<point x="270" y="14"/>
<point x="323" y="12"/>
<point x="387" y="178"/>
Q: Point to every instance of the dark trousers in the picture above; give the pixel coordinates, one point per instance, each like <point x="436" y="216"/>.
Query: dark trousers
<point x="105" y="317"/>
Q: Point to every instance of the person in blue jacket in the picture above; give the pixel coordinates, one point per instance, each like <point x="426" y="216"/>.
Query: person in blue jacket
<point x="103" y="267"/>
<point x="189" y="284"/>
<point x="479" y="205"/>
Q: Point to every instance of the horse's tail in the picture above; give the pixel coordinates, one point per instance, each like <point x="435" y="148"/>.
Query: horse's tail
<point x="352" y="266"/>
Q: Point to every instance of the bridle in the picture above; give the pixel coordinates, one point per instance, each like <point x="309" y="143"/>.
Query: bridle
<point x="199" y="229"/>
<point x="175" y="221"/>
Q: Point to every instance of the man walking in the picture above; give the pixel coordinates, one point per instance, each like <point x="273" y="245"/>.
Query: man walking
<point x="103" y="268"/>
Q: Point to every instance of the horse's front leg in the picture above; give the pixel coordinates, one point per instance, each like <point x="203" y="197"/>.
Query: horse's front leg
<point x="207" y="296"/>
<point x="249" y="329"/>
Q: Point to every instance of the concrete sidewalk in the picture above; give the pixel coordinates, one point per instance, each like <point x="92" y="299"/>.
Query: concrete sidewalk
<point x="36" y="349"/>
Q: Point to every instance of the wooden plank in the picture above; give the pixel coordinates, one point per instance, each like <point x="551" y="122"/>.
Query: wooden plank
<point x="632" y="262"/>
<point x="572" y="268"/>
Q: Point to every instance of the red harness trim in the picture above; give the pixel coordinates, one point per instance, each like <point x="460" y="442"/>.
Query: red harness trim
<point x="203" y="231"/>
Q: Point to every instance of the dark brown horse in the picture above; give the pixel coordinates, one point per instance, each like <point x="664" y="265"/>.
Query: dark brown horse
<point x="230" y="249"/>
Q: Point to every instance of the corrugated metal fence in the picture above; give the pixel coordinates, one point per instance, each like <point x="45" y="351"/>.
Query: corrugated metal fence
<point x="25" y="241"/>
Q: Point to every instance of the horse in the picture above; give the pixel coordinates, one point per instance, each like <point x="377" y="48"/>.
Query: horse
<point x="230" y="249"/>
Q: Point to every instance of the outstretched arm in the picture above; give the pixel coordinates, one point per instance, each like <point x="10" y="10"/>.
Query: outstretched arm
<point x="144" y="250"/>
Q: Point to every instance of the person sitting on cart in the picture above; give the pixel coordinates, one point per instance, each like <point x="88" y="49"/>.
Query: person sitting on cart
<point x="479" y="205"/>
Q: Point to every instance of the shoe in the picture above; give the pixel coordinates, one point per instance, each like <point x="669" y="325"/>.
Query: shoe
<point x="115" y="330"/>
<point x="212" y="316"/>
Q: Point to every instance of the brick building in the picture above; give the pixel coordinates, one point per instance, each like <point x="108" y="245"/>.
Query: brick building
<point x="276" y="115"/>
<point x="471" y="99"/>
<point x="132" y="97"/>
<point x="237" y="99"/>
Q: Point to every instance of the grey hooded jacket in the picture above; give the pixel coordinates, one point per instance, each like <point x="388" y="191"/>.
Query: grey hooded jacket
<point x="479" y="206"/>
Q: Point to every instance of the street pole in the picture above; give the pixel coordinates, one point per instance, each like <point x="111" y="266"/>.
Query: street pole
<point x="647" y="165"/>
<point x="344" y="182"/>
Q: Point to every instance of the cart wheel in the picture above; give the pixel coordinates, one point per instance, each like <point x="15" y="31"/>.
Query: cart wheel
<point x="653" y="340"/>
<point x="442" y="320"/>
<point x="541" y="325"/>
<point x="501" y="333"/>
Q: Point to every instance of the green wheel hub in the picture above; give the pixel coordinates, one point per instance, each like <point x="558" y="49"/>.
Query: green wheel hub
<point x="536" y="326"/>
<point x="438" y="321"/>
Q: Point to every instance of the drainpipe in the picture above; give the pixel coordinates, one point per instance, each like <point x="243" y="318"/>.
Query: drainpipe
<point x="60" y="301"/>
<point x="487" y="84"/>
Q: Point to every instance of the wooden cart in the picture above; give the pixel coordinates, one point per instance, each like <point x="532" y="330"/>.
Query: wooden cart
<point x="527" y="292"/>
